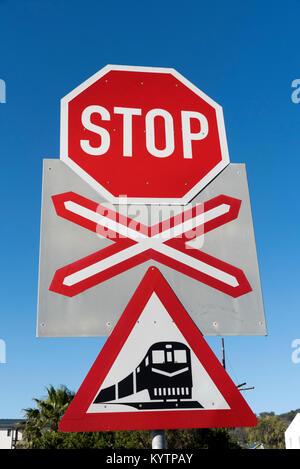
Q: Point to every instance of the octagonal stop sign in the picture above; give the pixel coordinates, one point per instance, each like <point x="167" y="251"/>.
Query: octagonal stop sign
<point x="143" y="135"/>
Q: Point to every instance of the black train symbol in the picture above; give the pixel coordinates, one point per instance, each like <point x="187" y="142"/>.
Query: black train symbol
<point x="165" y="372"/>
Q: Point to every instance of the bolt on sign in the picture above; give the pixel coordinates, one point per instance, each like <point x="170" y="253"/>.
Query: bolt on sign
<point x="144" y="180"/>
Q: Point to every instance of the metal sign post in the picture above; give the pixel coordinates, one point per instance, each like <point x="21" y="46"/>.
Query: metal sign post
<point x="158" y="439"/>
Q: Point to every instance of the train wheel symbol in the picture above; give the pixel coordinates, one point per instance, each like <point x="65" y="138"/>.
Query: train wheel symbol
<point x="165" y="372"/>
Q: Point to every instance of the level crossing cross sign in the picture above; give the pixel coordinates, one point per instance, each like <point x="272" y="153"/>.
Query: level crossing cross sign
<point x="144" y="133"/>
<point x="134" y="243"/>
<point x="156" y="371"/>
<point x="91" y="249"/>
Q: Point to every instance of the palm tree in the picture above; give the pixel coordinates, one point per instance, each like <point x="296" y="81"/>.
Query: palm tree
<point x="47" y="415"/>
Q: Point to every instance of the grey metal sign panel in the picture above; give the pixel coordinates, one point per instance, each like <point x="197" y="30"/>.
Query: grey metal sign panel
<point x="95" y="311"/>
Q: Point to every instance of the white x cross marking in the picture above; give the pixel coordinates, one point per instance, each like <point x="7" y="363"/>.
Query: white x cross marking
<point x="135" y="243"/>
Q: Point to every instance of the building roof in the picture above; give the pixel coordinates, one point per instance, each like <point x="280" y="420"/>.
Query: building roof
<point x="294" y="425"/>
<point x="10" y="423"/>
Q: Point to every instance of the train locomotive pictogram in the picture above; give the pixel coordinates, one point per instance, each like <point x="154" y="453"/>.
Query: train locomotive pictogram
<point x="165" y="372"/>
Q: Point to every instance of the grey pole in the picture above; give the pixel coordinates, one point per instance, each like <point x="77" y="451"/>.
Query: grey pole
<point x="158" y="439"/>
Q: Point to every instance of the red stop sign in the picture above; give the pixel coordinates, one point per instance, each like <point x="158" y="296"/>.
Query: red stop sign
<point x="145" y="134"/>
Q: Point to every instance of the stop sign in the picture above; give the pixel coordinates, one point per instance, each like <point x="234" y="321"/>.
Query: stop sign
<point x="143" y="135"/>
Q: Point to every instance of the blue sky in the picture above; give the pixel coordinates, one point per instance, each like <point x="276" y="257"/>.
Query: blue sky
<point x="244" y="55"/>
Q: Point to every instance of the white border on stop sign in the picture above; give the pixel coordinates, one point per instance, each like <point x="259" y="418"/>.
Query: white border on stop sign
<point x="138" y="200"/>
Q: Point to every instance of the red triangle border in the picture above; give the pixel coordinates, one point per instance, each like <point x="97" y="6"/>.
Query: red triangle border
<point x="77" y="420"/>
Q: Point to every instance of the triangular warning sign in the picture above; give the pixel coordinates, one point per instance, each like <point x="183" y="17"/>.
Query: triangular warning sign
<point x="156" y="371"/>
